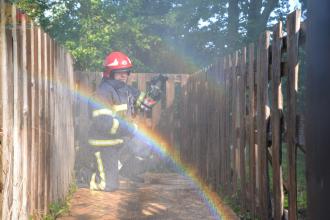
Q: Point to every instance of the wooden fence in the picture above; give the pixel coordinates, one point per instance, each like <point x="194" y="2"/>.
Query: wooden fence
<point x="37" y="117"/>
<point x="235" y="122"/>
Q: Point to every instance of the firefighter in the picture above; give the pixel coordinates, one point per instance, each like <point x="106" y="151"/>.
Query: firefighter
<point x="110" y="127"/>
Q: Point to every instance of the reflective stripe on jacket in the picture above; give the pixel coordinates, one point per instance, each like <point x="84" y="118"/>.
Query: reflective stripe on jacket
<point x="109" y="122"/>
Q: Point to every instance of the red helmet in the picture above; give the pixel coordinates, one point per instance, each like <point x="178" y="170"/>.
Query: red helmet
<point x="117" y="61"/>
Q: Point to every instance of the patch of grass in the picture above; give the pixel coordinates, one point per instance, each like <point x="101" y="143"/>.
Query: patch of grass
<point x="301" y="179"/>
<point x="61" y="207"/>
<point x="234" y="203"/>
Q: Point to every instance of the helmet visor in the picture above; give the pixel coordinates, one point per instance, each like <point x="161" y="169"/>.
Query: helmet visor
<point x="122" y="71"/>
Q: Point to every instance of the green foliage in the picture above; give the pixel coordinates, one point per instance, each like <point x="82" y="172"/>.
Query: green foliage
<point x="34" y="8"/>
<point x="159" y="35"/>
<point x="234" y="203"/>
<point x="301" y="181"/>
<point x="59" y="208"/>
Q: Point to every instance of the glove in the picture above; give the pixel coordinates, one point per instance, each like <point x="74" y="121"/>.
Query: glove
<point x="148" y="103"/>
<point x="144" y="102"/>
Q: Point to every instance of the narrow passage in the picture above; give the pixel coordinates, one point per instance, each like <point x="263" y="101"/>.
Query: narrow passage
<point x="160" y="196"/>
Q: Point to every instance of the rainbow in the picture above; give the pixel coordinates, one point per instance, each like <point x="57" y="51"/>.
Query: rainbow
<point x="160" y="146"/>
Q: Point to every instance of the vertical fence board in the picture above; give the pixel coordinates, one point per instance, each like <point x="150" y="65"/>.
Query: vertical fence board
<point x="228" y="126"/>
<point x="242" y="127"/>
<point x="35" y="118"/>
<point x="234" y="114"/>
<point x="293" y="26"/>
<point x="156" y="113"/>
<point x="51" y="112"/>
<point x="26" y="134"/>
<point x="47" y="120"/>
<point x="252" y="114"/>
<point x="170" y="95"/>
<point x="217" y="132"/>
<point x="17" y="141"/>
<point x="223" y="128"/>
<point x="221" y="123"/>
<point x="170" y="92"/>
<point x="7" y="114"/>
<point x="202" y="145"/>
<point x="56" y="139"/>
<point x="41" y="164"/>
<point x="141" y="82"/>
<point x="262" y="80"/>
<point x="276" y="110"/>
<point x="28" y="108"/>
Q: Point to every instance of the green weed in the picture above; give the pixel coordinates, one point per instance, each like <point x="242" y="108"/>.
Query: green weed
<point x="61" y="207"/>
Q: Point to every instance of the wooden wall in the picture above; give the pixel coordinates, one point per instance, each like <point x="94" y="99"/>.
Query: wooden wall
<point x="37" y="117"/>
<point x="236" y="121"/>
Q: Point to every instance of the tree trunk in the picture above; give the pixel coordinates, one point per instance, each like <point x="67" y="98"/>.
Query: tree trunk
<point x="233" y="37"/>
<point x="257" y="21"/>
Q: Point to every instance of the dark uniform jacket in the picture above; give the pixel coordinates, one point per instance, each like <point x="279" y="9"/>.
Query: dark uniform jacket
<point x="110" y="112"/>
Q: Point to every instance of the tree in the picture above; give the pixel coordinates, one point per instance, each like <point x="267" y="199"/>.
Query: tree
<point x="220" y="27"/>
<point x="159" y="35"/>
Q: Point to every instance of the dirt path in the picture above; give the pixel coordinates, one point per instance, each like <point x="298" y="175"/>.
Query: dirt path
<point x="160" y="197"/>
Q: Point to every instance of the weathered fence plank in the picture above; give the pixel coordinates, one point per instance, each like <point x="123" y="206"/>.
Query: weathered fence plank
<point x="242" y="126"/>
<point x="7" y="114"/>
<point x="26" y="128"/>
<point x="234" y="114"/>
<point x="47" y="120"/>
<point x="228" y="125"/>
<point x="41" y="143"/>
<point x="35" y="118"/>
<point x="252" y="128"/>
<point x="28" y="109"/>
<point x="17" y="139"/>
<point x="293" y="26"/>
<point x="262" y="93"/>
<point x="276" y="111"/>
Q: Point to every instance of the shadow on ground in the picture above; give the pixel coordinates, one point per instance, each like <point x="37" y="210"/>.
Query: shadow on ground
<point x="160" y="196"/>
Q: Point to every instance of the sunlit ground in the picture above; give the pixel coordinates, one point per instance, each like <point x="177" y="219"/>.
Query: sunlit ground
<point x="160" y="196"/>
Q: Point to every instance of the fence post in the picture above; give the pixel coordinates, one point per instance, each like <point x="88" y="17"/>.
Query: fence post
<point x="7" y="113"/>
<point x="242" y="125"/>
<point x="234" y="114"/>
<point x="262" y="81"/>
<point x="252" y="113"/>
<point x="293" y="26"/>
<point x="41" y="140"/>
<point x="35" y="119"/>
<point x="47" y="119"/>
<point x="317" y="115"/>
<point x="28" y="109"/>
<point x="228" y="124"/>
<point x="26" y="128"/>
<point x="17" y="211"/>
<point x="276" y="111"/>
<point x="170" y="96"/>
